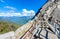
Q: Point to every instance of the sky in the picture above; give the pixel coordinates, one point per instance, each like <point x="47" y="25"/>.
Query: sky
<point x="20" y="7"/>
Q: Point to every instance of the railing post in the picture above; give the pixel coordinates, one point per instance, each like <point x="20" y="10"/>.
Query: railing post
<point x="39" y="32"/>
<point x="46" y="34"/>
<point x="59" y="35"/>
<point x="55" y="27"/>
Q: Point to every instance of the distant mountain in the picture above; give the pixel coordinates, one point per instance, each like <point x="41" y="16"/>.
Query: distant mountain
<point x="18" y="20"/>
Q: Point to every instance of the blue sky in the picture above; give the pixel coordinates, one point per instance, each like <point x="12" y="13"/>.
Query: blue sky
<point x="24" y="7"/>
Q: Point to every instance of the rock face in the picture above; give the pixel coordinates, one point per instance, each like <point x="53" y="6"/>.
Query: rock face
<point x="9" y="35"/>
<point x="56" y="13"/>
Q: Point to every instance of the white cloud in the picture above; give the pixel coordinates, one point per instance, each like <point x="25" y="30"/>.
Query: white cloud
<point x="9" y="7"/>
<point x="13" y="13"/>
<point x="9" y="14"/>
<point x="28" y="13"/>
<point x="2" y="1"/>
